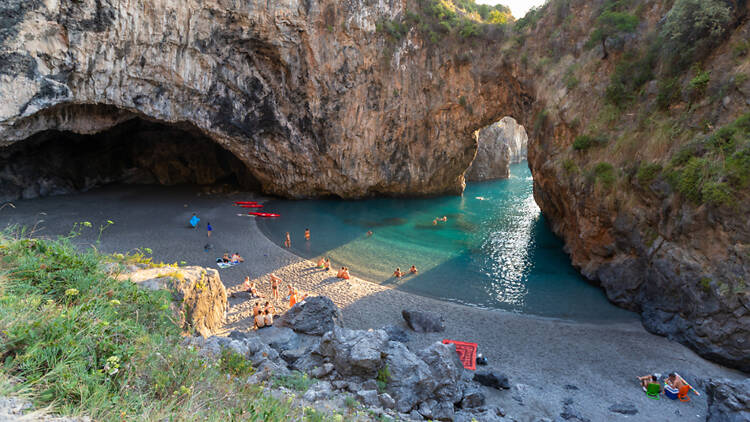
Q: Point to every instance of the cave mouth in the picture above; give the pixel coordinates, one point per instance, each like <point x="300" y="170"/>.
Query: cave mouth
<point x="499" y="145"/>
<point x="137" y="151"/>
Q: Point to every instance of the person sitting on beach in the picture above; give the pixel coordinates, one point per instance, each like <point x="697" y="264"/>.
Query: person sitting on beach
<point x="307" y="234"/>
<point x="260" y="320"/>
<point x="321" y="261"/>
<point x="268" y="318"/>
<point x="246" y="285"/>
<point x="648" y="379"/>
<point x="256" y="309"/>
<point x="398" y="272"/>
<point x="327" y="265"/>
<point x="344" y="273"/>
<point x="292" y="296"/>
<point x="340" y="273"/>
<point x="194" y="221"/>
<point x="236" y="258"/>
<point x="269" y="307"/>
<point x="254" y="291"/>
<point x="225" y="259"/>
<point x="413" y="269"/>
<point x="675" y="381"/>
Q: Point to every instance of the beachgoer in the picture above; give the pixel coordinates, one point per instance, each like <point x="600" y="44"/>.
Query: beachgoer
<point x="345" y="273"/>
<point x="260" y="320"/>
<point x="320" y="262"/>
<point x="194" y="221"/>
<point x="236" y="258"/>
<point x="246" y="285"/>
<point x="268" y="307"/>
<point x="434" y="222"/>
<point x="327" y="265"/>
<point x="225" y="258"/>
<point x="398" y="272"/>
<point x="413" y="269"/>
<point x="275" y="281"/>
<point x="268" y="318"/>
<point x="444" y="219"/>
<point x="208" y="229"/>
<point x="292" y="296"/>
<point x="369" y="233"/>
<point x="254" y="291"/>
<point x="256" y="309"/>
<point x="675" y="381"/>
<point x="288" y="241"/>
<point x="340" y="273"/>
<point x="648" y="379"/>
<point x="307" y="234"/>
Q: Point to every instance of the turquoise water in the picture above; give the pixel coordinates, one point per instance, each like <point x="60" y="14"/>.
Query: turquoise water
<point x="495" y="250"/>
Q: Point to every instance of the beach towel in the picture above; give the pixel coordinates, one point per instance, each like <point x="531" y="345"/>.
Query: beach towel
<point x="467" y="352"/>
<point x="221" y="264"/>
<point x="194" y="221"/>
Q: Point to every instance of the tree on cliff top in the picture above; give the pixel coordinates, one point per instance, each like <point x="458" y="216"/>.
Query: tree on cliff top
<point x="610" y="24"/>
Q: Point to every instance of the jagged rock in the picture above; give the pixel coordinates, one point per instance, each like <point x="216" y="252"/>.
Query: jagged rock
<point x="396" y="333"/>
<point x="473" y="397"/>
<point x="623" y="408"/>
<point x="728" y="401"/>
<point x="315" y="315"/>
<point x="414" y="415"/>
<point x="321" y="390"/>
<point x="368" y="397"/>
<point x="443" y="411"/>
<point x="369" y="385"/>
<point x="411" y="380"/>
<point x="322" y="371"/>
<point x="425" y="408"/>
<point x="354" y="352"/>
<point x="198" y="293"/>
<point x="387" y="401"/>
<point x="279" y="338"/>
<point x="423" y="322"/>
<point x="307" y="362"/>
<point x="499" y="145"/>
<point x="446" y="368"/>
<point x="492" y="379"/>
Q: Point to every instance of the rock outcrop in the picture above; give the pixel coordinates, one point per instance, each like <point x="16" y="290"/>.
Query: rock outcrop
<point x="499" y="145"/>
<point x="728" y="401"/>
<point x="199" y="296"/>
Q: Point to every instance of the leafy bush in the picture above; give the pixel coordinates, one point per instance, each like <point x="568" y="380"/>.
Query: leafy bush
<point x="384" y="376"/>
<point x="234" y="364"/>
<point x="699" y="83"/>
<point x="605" y="174"/>
<point x="570" y="166"/>
<point x="715" y="170"/>
<point x="669" y="92"/>
<point x="631" y="73"/>
<point x="692" y="29"/>
<point x="83" y="343"/>
<point x="295" y="380"/>
<point x="584" y="142"/>
<point x="570" y="79"/>
<point x="647" y="173"/>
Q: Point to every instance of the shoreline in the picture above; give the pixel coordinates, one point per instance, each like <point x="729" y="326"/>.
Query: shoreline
<point x="549" y="361"/>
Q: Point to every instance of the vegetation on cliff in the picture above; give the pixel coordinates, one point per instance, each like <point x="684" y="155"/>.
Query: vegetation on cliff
<point x="73" y="338"/>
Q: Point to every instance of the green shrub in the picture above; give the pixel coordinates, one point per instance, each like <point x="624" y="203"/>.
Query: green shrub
<point x="234" y="364"/>
<point x="570" y="79"/>
<point x="570" y="166"/>
<point x="692" y="29"/>
<point x="295" y="380"/>
<point x="631" y="73"/>
<point x="384" y="376"/>
<point x="741" y="48"/>
<point x="647" y="173"/>
<point x="669" y="92"/>
<point x="584" y="142"/>
<point x="699" y="83"/>
<point x="605" y="174"/>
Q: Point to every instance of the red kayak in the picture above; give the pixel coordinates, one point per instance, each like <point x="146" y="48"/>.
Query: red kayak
<point x="251" y="206"/>
<point x="245" y="202"/>
<point x="264" y="214"/>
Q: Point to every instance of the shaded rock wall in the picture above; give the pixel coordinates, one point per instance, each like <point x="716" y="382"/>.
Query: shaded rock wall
<point x="500" y="145"/>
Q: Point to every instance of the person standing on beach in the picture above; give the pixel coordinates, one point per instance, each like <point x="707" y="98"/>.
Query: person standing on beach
<point x="307" y="234"/>
<point x="208" y="229"/>
<point x="275" y="281"/>
<point x="288" y="241"/>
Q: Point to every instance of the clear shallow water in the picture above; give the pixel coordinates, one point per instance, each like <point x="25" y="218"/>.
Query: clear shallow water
<point x="495" y="250"/>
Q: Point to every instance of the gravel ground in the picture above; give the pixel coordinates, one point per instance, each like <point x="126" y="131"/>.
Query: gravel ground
<point x="555" y="366"/>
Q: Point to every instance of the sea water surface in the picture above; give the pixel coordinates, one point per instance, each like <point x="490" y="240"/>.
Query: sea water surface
<point x="495" y="250"/>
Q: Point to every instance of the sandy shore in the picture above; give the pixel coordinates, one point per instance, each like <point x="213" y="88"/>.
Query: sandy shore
<point x="548" y="361"/>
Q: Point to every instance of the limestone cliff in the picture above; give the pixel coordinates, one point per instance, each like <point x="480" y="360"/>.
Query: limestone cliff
<point x="499" y="145"/>
<point x="315" y="100"/>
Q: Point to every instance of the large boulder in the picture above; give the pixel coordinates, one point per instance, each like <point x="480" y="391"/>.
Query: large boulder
<point x="410" y="381"/>
<point x="198" y="294"/>
<point x="728" y="401"/>
<point x="315" y="315"/>
<point x="423" y="322"/>
<point x="354" y="352"/>
<point x="492" y="379"/>
<point x="446" y="369"/>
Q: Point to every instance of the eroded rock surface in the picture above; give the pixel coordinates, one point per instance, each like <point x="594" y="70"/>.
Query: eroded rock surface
<point x="500" y="145"/>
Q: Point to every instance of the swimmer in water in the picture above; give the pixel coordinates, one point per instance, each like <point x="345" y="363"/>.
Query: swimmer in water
<point x="434" y="222"/>
<point x="413" y="269"/>
<point x="369" y="233"/>
<point x="307" y="234"/>
<point x="398" y="273"/>
<point x="288" y="241"/>
<point x="444" y="219"/>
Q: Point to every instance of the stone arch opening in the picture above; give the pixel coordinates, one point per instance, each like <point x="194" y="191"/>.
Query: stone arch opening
<point x="499" y="145"/>
<point x="126" y="148"/>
